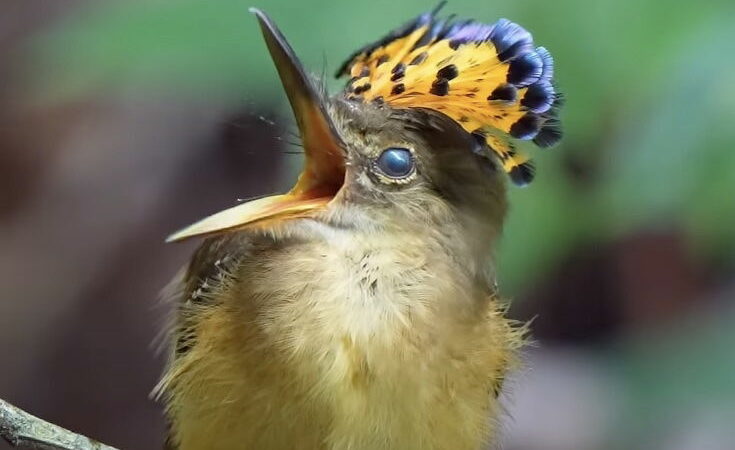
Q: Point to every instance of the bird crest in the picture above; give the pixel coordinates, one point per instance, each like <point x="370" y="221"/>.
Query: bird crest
<point x="490" y="78"/>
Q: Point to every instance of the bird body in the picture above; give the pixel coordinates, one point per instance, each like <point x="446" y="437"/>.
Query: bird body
<point x="359" y="310"/>
<point x="320" y="339"/>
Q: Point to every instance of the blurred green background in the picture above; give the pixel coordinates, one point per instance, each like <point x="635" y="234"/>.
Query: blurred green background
<point x="124" y="120"/>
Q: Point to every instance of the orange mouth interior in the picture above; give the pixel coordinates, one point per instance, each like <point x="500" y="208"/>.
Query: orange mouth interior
<point x="320" y="181"/>
<point x="324" y="168"/>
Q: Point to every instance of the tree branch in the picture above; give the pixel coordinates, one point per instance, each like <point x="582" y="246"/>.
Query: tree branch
<point x="21" y="429"/>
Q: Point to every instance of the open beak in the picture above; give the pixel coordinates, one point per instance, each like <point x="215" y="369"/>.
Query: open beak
<point x="324" y="171"/>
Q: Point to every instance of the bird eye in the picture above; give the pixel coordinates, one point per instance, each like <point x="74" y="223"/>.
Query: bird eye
<point x="395" y="162"/>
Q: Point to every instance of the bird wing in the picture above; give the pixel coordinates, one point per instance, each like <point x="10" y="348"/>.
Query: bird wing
<point x="192" y="292"/>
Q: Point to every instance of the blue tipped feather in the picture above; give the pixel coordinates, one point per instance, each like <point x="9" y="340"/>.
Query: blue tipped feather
<point x="527" y="94"/>
<point x="539" y="97"/>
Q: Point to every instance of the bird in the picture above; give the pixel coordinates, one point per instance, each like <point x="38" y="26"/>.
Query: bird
<point x="360" y="310"/>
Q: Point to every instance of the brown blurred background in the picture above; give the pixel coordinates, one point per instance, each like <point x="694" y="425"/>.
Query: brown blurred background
<point x="121" y="121"/>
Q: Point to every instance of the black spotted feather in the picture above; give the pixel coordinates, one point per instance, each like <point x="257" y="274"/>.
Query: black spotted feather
<point x="490" y="78"/>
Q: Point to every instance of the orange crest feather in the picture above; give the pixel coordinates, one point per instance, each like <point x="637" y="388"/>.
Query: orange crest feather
<point x="489" y="78"/>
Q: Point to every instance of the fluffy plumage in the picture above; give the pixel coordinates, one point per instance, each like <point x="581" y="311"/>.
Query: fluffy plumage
<point x="373" y="325"/>
<point x="378" y="354"/>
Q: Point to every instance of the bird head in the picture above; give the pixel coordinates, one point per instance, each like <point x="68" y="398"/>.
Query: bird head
<point x="422" y="136"/>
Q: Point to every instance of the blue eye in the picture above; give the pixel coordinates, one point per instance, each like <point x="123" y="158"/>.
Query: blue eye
<point x="395" y="162"/>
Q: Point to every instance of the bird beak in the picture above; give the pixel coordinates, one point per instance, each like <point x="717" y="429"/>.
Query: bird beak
<point x="324" y="170"/>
